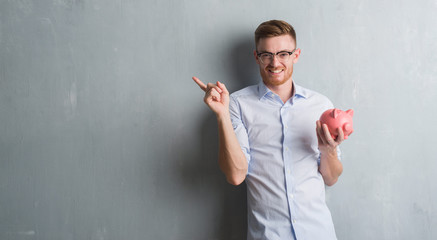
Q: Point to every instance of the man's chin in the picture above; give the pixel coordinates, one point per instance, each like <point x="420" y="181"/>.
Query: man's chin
<point x="274" y="82"/>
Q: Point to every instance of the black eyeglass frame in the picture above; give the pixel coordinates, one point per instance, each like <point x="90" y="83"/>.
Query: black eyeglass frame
<point x="275" y="54"/>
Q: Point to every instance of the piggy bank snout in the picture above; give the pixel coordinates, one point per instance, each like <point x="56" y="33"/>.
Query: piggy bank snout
<point x="347" y="129"/>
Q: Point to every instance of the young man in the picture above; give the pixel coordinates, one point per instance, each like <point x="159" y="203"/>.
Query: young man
<point x="270" y="137"/>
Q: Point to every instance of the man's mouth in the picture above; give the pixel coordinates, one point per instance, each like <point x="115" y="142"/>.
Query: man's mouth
<point x="276" y="71"/>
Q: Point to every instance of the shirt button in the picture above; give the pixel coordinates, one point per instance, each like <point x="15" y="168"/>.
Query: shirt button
<point x="291" y="196"/>
<point x="294" y="221"/>
<point x="286" y="148"/>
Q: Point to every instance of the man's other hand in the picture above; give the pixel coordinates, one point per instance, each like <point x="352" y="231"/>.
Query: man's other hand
<point x="216" y="96"/>
<point x="325" y="140"/>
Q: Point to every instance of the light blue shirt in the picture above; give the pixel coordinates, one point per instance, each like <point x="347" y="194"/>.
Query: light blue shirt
<point x="285" y="191"/>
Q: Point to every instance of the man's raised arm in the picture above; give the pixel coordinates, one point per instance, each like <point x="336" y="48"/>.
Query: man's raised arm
<point x="232" y="161"/>
<point x="330" y="166"/>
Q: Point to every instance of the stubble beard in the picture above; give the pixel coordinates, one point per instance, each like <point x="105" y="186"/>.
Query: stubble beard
<point x="269" y="82"/>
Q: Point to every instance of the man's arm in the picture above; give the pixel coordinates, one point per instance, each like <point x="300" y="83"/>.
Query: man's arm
<point x="330" y="166"/>
<point x="232" y="161"/>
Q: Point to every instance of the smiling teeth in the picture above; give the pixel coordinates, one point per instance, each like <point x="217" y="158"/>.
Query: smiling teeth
<point x="276" y="71"/>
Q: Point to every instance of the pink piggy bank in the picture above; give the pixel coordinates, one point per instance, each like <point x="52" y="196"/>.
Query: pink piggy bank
<point x="336" y="118"/>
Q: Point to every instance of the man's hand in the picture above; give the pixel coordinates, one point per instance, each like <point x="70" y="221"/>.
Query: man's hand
<point x="216" y="96"/>
<point x="326" y="142"/>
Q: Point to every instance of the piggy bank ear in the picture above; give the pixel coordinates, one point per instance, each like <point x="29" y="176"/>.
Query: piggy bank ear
<point x="336" y="112"/>
<point x="350" y="112"/>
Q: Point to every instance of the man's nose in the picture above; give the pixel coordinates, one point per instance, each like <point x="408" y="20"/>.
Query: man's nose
<point x="275" y="61"/>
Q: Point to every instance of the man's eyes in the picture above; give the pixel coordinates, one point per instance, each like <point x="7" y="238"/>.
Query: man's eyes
<point x="283" y="54"/>
<point x="279" y="54"/>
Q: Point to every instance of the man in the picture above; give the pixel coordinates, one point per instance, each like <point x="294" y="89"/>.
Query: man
<point x="270" y="137"/>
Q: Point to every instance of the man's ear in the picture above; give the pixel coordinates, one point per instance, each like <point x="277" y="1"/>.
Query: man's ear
<point x="296" y="55"/>
<point x="255" y="54"/>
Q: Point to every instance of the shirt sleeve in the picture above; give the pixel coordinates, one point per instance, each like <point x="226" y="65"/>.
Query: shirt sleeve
<point x="239" y="128"/>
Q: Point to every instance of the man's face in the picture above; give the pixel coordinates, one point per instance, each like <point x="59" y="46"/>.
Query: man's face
<point x="277" y="72"/>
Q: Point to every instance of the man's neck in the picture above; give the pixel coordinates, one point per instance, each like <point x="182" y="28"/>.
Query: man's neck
<point x="284" y="91"/>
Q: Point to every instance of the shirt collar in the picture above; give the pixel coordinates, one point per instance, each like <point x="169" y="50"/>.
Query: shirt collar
<point x="263" y="90"/>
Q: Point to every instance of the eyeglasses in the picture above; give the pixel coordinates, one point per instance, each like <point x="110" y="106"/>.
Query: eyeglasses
<point x="267" y="57"/>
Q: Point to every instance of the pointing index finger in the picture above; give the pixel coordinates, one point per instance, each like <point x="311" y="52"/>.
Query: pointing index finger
<point x="200" y="83"/>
